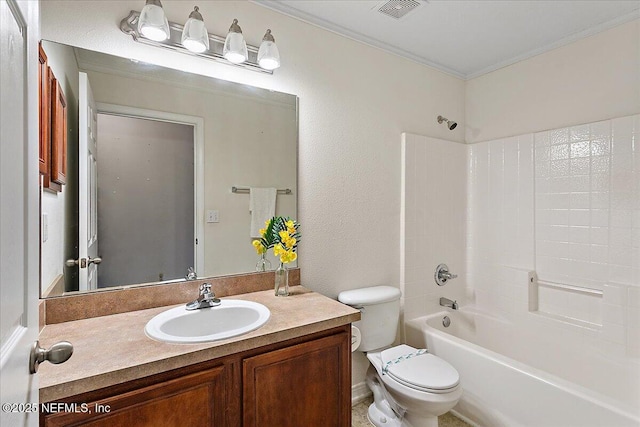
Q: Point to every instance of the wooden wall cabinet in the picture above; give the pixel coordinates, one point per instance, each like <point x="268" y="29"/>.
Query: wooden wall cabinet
<point x="302" y="382"/>
<point x="58" y="134"/>
<point x="52" y="157"/>
<point x="44" y="111"/>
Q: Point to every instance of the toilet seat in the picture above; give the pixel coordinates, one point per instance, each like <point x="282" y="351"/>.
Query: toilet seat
<point x="419" y="371"/>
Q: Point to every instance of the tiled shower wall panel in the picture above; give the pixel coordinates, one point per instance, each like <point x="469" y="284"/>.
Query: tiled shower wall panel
<point x="587" y="193"/>
<point x="568" y="212"/>
<point x="433" y="221"/>
<point x="500" y="222"/>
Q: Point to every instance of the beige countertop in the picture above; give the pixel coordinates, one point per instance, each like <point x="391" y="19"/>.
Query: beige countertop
<point x="113" y="349"/>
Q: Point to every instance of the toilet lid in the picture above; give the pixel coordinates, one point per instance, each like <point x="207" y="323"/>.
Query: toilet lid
<point x="423" y="371"/>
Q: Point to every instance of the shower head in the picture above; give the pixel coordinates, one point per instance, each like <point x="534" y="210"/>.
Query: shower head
<point x="450" y="124"/>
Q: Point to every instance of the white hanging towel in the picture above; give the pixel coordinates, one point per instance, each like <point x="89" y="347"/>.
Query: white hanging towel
<point x="262" y="205"/>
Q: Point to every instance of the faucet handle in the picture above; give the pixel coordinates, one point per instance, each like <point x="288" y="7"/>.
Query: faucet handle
<point x="442" y="275"/>
<point x="191" y="274"/>
<point x="205" y="288"/>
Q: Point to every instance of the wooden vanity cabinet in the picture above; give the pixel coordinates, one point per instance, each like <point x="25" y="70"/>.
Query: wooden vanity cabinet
<point x="308" y="384"/>
<point x="196" y="399"/>
<point x="305" y="381"/>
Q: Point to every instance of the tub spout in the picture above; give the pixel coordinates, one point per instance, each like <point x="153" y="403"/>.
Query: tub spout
<point x="446" y="302"/>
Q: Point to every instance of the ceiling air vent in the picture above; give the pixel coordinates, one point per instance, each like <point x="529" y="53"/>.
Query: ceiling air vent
<point x="398" y="8"/>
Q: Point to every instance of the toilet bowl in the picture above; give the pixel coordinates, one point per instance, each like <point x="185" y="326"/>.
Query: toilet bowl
<point x="410" y="386"/>
<point x="415" y="385"/>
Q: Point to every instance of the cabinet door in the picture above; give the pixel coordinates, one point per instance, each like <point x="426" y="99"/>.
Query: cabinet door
<point x="307" y="384"/>
<point x="44" y="111"/>
<point x="193" y="400"/>
<point x="58" y="134"/>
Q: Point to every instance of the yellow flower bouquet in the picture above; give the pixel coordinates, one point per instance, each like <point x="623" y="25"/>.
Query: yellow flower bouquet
<point x="286" y="240"/>
<point x="283" y="234"/>
<point x="264" y="243"/>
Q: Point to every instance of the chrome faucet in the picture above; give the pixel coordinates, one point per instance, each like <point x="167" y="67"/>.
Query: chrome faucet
<point x="206" y="298"/>
<point x="446" y="302"/>
<point x="191" y="274"/>
<point x="443" y="275"/>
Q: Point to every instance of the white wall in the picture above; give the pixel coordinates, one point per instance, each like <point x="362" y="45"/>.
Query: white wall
<point x="592" y="79"/>
<point x="434" y="205"/>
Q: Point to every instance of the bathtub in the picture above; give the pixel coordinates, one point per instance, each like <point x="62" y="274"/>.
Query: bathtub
<point x="502" y="391"/>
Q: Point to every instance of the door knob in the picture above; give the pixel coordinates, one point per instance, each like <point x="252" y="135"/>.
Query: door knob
<point x="58" y="353"/>
<point x="96" y="260"/>
<point x="83" y="262"/>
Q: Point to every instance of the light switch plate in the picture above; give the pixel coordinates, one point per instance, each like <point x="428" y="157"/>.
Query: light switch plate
<point x="213" y="216"/>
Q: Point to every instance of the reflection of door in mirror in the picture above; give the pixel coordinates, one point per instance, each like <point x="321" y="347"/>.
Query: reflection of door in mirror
<point x="88" y="189"/>
<point x="145" y="199"/>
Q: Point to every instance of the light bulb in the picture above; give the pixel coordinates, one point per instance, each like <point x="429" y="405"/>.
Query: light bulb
<point x="235" y="48"/>
<point x="268" y="54"/>
<point x="153" y="23"/>
<point x="194" y="34"/>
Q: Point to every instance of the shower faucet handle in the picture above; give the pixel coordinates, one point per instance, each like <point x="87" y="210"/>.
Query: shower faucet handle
<point x="443" y="275"/>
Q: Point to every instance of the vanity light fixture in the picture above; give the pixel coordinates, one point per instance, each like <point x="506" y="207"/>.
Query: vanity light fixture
<point x="152" y="28"/>
<point x="153" y="22"/>
<point x="194" y="34"/>
<point x="268" y="54"/>
<point x="235" y="48"/>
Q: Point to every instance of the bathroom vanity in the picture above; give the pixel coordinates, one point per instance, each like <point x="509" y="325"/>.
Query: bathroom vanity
<point x="293" y="371"/>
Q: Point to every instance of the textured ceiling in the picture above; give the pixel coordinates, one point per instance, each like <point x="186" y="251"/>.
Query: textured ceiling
<point x="466" y="38"/>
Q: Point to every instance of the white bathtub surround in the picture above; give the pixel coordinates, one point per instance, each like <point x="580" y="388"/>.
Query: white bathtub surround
<point x="588" y="226"/>
<point x="565" y="220"/>
<point x="500" y="379"/>
<point x="500" y="223"/>
<point x="433" y="211"/>
<point x="564" y="204"/>
<point x="588" y="203"/>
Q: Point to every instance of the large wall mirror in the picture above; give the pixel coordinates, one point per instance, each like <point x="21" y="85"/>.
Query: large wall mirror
<point x="153" y="157"/>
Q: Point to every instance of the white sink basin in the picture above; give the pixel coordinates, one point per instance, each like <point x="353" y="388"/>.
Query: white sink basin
<point x="231" y="318"/>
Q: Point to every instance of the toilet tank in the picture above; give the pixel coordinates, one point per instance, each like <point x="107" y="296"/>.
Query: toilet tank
<point x="380" y="312"/>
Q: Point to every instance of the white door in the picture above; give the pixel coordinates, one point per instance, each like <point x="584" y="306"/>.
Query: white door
<point x="19" y="281"/>
<point x="87" y="188"/>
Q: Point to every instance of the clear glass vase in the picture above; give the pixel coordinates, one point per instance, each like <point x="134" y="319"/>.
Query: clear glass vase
<point x="263" y="263"/>
<point x="282" y="281"/>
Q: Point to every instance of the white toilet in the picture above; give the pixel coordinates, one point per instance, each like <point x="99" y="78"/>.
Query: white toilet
<point x="410" y="386"/>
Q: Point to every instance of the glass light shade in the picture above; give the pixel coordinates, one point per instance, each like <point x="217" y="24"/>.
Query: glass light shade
<point x="152" y="22"/>
<point x="235" y="48"/>
<point x="268" y="55"/>
<point x="195" y="36"/>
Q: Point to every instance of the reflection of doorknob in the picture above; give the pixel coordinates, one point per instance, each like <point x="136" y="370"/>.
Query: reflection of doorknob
<point x="58" y="353"/>
<point x="72" y="262"/>
<point x="96" y="260"/>
<point x="82" y="262"/>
